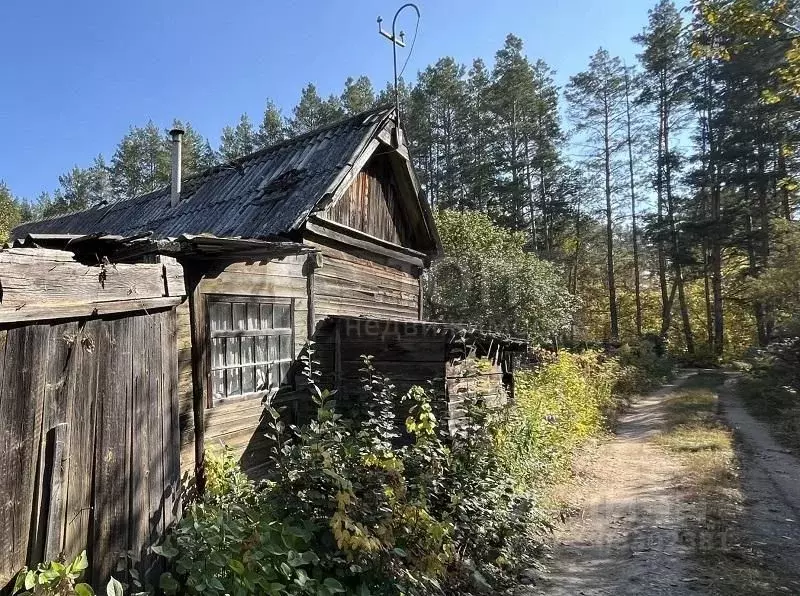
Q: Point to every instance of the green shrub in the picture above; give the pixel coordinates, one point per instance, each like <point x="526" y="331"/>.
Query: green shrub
<point x="555" y="409"/>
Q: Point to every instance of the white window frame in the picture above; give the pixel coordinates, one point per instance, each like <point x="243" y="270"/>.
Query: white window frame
<point x="241" y="330"/>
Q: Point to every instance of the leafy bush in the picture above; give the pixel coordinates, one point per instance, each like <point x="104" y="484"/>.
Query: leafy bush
<point x="488" y="277"/>
<point x="555" y="409"/>
<point x="356" y="505"/>
<point x="59" y="578"/>
<point x="770" y="388"/>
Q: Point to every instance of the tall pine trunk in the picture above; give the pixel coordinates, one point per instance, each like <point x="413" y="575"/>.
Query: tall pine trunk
<point x="676" y="262"/>
<point x="634" y="229"/>
<point x="612" y="287"/>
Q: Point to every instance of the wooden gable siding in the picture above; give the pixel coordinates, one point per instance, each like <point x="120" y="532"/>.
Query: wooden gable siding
<point x="372" y="205"/>
<point x="238" y="424"/>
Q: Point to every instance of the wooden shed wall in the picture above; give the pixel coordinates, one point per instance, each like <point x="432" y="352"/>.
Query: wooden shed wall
<point x="239" y="424"/>
<point x="351" y="283"/>
<point x="88" y="438"/>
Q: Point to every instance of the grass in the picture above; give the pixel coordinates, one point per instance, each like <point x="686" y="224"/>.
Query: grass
<point x="695" y="433"/>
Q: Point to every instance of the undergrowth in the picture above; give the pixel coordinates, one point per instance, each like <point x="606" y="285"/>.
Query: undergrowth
<point x="770" y="389"/>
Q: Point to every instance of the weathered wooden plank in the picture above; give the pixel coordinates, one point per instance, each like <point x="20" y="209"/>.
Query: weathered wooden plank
<point x="21" y="414"/>
<point x="170" y="430"/>
<point x="112" y="455"/>
<point x="36" y="281"/>
<point x="81" y="374"/>
<point x="173" y="279"/>
<point x="38" y="313"/>
<point x="61" y="342"/>
<point x="250" y="285"/>
<point x="59" y="460"/>
<point x="143" y="343"/>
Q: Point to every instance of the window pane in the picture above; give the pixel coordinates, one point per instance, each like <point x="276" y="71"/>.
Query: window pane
<point x="283" y="318"/>
<point x="218" y="384"/>
<point x="266" y="316"/>
<point x="261" y="349"/>
<point x="285" y="347"/>
<point x="248" y="383"/>
<point x="262" y="374"/>
<point x="252" y="316"/>
<point x="275" y="378"/>
<point x="239" y="316"/>
<point x="217" y="352"/>
<point x="234" y="382"/>
<point x="272" y="348"/>
<point x="247" y="350"/>
<point x="285" y="372"/>
<point x="220" y="316"/>
<point x="231" y="351"/>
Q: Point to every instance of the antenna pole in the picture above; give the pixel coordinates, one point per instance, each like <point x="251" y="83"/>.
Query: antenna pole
<point x="396" y="41"/>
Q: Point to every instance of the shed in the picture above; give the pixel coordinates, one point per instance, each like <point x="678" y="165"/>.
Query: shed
<point x="274" y="247"/>
<point x="453" y="361"/>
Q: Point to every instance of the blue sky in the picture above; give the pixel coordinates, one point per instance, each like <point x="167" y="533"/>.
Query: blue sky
<point x="75" y="75"/>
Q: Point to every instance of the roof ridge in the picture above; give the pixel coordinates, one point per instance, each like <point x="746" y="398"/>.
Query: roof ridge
<point x="286" y="142"/>
<point x="210" y="171"/>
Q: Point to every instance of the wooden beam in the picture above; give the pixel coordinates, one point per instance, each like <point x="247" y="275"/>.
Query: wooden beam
<point x="352" y="237"/>
<point x="200" y="369"/>
<point x="313" y="262"/>
<point x="24" y="314"/>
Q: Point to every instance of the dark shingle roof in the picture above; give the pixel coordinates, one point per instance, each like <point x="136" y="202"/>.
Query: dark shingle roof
<point x="262" y="195"/>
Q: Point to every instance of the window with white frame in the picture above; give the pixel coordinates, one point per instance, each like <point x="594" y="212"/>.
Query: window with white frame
<point x="252" y="345"/>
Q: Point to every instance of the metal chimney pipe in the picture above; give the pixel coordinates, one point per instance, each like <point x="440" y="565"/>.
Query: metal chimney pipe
<point x="176" y="134"/>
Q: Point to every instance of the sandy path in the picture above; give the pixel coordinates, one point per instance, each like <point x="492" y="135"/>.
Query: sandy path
<point x="628" y="537"/>
<point x="770" y="485"/>
<point x="637" y="528"/>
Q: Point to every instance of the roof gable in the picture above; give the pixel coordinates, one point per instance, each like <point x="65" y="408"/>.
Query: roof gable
<point x="264" y="195"/>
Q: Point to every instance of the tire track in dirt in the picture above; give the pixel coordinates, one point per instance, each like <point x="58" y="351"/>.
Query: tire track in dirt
<point x="630" y="535"/>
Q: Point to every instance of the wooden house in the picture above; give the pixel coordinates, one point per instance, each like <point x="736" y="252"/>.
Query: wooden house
<point x="274" y="247"/>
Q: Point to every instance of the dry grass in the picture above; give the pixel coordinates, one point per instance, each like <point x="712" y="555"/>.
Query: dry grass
<point x="694" y="432"/>
<point x="706" y="446"/>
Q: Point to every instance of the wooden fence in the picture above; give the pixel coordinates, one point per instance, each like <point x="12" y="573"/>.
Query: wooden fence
<point x="89" y="437"/>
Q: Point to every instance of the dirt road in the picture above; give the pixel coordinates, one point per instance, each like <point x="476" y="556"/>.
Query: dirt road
<point x="640" y="530"/>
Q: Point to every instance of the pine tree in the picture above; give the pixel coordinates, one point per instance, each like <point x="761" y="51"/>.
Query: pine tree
<point x="239" y="140"/>
<point x="313" y="112"/>
<point x="141" y="162"/>
<point x="665" y="81"/>
<point x="10" y="212"/>
<point x="597" y="102"/>
<point x="358" y="95"/>
<point x="273" y="128"/>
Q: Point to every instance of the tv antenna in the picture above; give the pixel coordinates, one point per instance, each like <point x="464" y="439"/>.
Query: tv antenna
<point x="398" y="40"/>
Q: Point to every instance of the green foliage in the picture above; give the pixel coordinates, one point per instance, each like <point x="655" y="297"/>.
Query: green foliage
<point x="555" y="409"/>
<point x="771" y="388"/>
<point x="54" y="578"/>
<point x="359" y="505"/>
<point x="488" y="278"/>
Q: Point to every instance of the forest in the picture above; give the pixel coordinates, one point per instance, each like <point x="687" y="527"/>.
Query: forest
<point x="651" y="198"/>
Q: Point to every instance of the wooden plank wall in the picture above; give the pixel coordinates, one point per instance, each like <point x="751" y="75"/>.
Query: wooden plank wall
<point x="240" y="424"/>
<point x="372" y="205"/>
<point x="352" y="284"/>
<point x="111" y="386"/>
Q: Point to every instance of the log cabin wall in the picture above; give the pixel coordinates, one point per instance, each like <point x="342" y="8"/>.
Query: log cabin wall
<point x="238" y="423"/>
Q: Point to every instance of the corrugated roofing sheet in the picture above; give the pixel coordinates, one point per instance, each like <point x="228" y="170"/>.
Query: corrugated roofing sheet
<point x="262" y="195"/>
